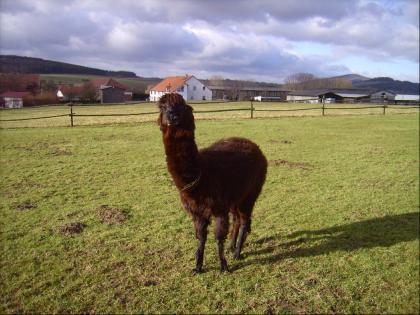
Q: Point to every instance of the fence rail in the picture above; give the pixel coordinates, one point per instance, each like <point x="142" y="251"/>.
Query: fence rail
<point x="72" y="115"/>
<point x="32" y="118"/>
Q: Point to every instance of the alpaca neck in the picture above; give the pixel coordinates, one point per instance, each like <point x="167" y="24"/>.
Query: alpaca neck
<point x="182" y="157"/>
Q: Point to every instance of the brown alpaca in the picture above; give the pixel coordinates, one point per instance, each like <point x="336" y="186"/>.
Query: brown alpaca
<point x="226" y="177"/>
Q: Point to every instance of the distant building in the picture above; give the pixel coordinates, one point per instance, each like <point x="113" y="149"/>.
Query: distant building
<point x="106" y="90"/>
<point x="329" y="96"/>
<point x="188" y="86"/>
<point x="346" y="96"/>
<point x="406" y="99"/>
<point x="12" y="99"/>
<point x="247" y="93"/>
<point x="391" y="97"/>
<point x="109" y="90"/>
<point x="382" y="96"/>
<point x="305" y="96"/>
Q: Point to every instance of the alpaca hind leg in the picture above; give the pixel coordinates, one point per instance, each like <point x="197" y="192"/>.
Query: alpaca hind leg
<point x="245" y="212"/>
<point x="243" y="232"/>
<point x="200" y="226"/>
<point x="221" y="229"/>
<point x="235" y="230"/>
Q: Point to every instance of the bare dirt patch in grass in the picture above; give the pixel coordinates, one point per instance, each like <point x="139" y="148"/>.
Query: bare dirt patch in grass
<point x="111" y="215"/>
<point x="71" y="228"/>
<point x="60" y="151"/>
<point x="301" y="165"/>
<point x="26" y="205"/>
<point x="280" y="141"/>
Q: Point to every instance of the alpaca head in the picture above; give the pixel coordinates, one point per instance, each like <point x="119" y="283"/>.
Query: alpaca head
<point x="174" y="112"/>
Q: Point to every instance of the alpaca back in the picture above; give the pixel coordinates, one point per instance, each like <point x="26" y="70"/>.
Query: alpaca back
<point x="233" y="169"/>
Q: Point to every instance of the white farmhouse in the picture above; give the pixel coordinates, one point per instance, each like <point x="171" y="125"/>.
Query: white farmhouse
<point x="188" y="86"/>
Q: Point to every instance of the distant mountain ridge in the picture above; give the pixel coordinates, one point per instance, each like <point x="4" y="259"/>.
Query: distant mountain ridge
<point x="381" y="83"/>
<point x="353" y="77"/>
<point x="19" y="64"/>
<point x="389" y="84"/>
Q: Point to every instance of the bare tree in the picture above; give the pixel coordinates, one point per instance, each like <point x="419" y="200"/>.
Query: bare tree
<point x="88" y="92"/>
<point x="216" y="80"/>
<point x="298" y="80"/>
<point x="304" y="81"/>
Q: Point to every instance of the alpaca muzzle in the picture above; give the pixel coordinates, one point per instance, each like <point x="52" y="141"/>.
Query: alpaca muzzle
<point x="172" y="117"/>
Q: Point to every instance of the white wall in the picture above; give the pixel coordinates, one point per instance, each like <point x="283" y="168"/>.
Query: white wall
<point x="197" y="91"/>
<point x="13" y="102"/>
<point x="155" y="96"/>
<point x="301" y="98"/>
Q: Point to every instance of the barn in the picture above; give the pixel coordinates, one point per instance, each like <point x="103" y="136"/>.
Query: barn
<point x="109" y="90"/>
<point x="346" y="96"/>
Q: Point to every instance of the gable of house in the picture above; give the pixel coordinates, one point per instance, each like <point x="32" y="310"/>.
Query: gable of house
<point x="171" y="84"/>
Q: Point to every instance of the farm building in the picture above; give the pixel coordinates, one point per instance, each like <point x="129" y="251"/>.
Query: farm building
<point x="247" y="93"/>
<point x="346" y="96"/>
<point x="188" y="86"/>
<point x="12" y="99"/>
<point x="105" y="90"/>
<point x="109" y="90"/>
<point x="330" y="96"/>
<point x="305" y="96"/>
<point x="406" y="99"/>
<point x="382" y="97"/>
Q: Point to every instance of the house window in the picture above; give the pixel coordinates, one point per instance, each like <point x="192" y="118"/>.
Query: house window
<point x="194" y="88"/>
<point x="204" y="98"/>
<point x="204" y="88"/>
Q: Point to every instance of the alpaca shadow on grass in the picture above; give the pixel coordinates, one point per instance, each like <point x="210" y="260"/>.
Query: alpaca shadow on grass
<point x="379" y="232"/>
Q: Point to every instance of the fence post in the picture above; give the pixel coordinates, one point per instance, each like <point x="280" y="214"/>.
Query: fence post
<point x="71" y="114"/>
<point x="323" y="106"/>
<point x="384" y="109"/>
<point x="252" y="109"/>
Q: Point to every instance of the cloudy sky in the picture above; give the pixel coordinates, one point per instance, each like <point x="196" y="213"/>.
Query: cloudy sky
<point x="245" y="39"/>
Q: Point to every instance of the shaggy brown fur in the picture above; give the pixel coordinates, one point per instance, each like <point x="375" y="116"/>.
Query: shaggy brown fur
<point x="226" y="177"/>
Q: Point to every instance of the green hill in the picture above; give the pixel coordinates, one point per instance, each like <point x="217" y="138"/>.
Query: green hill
<point x="19" y="64"/>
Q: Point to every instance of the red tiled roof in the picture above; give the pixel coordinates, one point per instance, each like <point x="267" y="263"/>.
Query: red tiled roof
<point x="171" y="84"/>
<point x="97" y="83"/>
<point x="14" y="94"/>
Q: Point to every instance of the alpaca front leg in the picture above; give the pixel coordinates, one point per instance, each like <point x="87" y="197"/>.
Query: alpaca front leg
<point x="200" y="226"/>
<point x="221" y="230"/>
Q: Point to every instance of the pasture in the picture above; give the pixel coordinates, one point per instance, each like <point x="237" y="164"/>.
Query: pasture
<point x="91" y="222"/>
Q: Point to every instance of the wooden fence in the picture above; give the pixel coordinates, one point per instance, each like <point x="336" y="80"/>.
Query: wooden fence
<point x="251" y="109"/>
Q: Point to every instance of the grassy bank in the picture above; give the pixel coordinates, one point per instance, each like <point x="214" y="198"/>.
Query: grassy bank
<point x="91" y="221"/>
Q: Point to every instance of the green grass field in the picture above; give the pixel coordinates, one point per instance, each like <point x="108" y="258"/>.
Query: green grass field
<point x="335" y="229"/>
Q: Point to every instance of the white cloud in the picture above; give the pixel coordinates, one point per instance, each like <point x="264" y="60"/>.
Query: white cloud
<point x="237" y="38"/>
